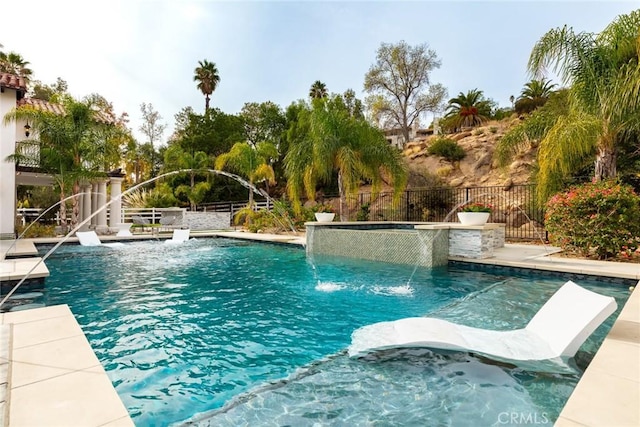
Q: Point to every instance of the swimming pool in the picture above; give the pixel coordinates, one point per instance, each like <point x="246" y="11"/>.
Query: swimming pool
<point x="184" y="331"/>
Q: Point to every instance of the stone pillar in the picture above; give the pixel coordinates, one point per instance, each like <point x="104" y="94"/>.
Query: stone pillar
<point x="101" y="223"/>
<point x="80" y="197"/>
<point x="94" y="204"/>
<point x="86" y="204"/>
<point x="115" y="217"/>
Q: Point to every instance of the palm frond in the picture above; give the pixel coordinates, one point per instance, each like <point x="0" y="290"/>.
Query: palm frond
<point x="567" y="147"/>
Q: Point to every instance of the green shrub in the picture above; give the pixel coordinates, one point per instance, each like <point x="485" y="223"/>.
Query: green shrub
<point x="502" y="113"/>
<point x="449" y="124"/>
<point x="527" y="105"/>
<point x="363" y="212"/>
<point x="279" y="219"/>
<point x="595" y="219"/>
<point x="447" y="148"/>
<point x="36" y="230"/>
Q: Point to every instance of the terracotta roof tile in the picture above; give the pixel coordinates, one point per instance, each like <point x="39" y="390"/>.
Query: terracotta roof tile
<point x="42" y="105"/>
<point x="11" y="81"/>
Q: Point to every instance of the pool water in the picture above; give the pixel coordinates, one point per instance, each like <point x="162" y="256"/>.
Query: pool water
<point x="222" y="332"/>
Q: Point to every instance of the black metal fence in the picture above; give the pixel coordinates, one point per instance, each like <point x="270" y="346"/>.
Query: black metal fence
<point x="515" y="206"/>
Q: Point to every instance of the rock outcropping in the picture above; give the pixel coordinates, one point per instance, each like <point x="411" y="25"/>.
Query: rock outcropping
<point x="478" y="168"/>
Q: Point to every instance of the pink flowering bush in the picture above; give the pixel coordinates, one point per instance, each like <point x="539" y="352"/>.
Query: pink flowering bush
<point x="601" y="219"/>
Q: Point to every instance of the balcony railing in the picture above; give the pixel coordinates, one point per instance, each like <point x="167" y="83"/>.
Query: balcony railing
<point x="30" y="153"/>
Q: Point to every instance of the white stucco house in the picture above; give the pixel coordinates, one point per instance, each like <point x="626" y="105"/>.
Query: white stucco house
<point x="19" y="135"/>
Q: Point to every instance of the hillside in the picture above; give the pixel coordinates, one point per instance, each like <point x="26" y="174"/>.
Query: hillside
<point x="478" y="168"/>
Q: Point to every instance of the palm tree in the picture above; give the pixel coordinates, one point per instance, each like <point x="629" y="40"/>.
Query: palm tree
<point x="534" y="95"/>
<point x="470" y="109"/>
<point x="73" y="146"/>
<point x="330" y="141"/>
<point x="206" y="74"/>
<point x="252" y="163"/>
<point x="14" y="63"/>
<point x="318" y="90"/>
<point x="537" y="89"/>
<point x="604" y="103"/>
<point x="176" y="158"/>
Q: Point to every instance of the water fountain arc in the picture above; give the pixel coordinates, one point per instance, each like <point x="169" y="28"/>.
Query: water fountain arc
<point x="58" y="203"/>
<point x="469" y="200"/>
<point x="239" y="179"/>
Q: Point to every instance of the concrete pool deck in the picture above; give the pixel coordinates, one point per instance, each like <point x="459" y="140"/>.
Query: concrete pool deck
<point x="49" y="364"/>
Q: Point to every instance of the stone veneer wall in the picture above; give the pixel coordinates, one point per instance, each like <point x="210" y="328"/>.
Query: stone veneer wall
<point x="499" y="235"/>
<point x="425" y="247"/>
<point x="207" y="220"/>
<point x="476" y="242"/>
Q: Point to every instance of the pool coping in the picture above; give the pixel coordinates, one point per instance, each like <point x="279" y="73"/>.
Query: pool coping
<point x="607" y="393"/>
<point x="54" y="377"/>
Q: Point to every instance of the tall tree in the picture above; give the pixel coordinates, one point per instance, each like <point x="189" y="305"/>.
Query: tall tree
<point x="603" y="72"/>
<point x="14" y="63"/>
<point x="399" y="85"/>
<point x="213" y="132"/>
<point x="601" y="69"/>
<point x="470" y="109"/>
<point x="318" y="90"/>
<point x="263" y="122"/>
<point x="353" y="104"/>
<point x="50" y="92"/>
<point x="206" y="74"/>
<point x="328" y="140"/>
<point x="152" y="127"/>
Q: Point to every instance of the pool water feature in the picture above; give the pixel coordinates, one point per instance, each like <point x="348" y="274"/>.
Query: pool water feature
<point x="219" y="331"/>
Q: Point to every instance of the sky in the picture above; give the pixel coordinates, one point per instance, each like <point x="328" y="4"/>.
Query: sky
<point x="139" y="51"/>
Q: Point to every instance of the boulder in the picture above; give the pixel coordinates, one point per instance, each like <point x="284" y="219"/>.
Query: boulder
<point x="517" y="218"/>
<point x="484" y="160"/>
<point x="459" y="136"/>
<point x="456" y="182"/>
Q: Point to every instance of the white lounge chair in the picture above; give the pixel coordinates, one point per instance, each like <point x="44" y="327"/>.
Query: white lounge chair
<point x="179" y="236"/>
<point x="90" y="238"/>
<point x="555" y="333"/>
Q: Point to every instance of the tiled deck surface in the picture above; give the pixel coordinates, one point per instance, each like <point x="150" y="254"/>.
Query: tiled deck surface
<point x="17" y="268"/>
<point x="54" y="369"/>
<point x="55" y="379"/>
<point x="22" y="247"/>
<point x="542" y="258"/>
<point x="608" y="393"/>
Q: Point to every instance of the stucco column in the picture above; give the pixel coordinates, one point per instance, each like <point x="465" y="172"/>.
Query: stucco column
<point x="80" y="198"/>
<point x="94" y="203"/>
<point x="8" y="138"/>
<point x="101" y="223"/>
<point x="86" y="204"/>
<point x="115" y="217"/>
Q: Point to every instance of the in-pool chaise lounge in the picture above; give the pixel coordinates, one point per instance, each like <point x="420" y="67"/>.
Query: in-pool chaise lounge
<point x="179" y="236"/>
<point x="90" y="238"/>
<point x="556" y="332"/>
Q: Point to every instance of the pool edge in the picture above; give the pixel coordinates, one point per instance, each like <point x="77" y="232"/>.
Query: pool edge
<point x="608" y="392"/>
